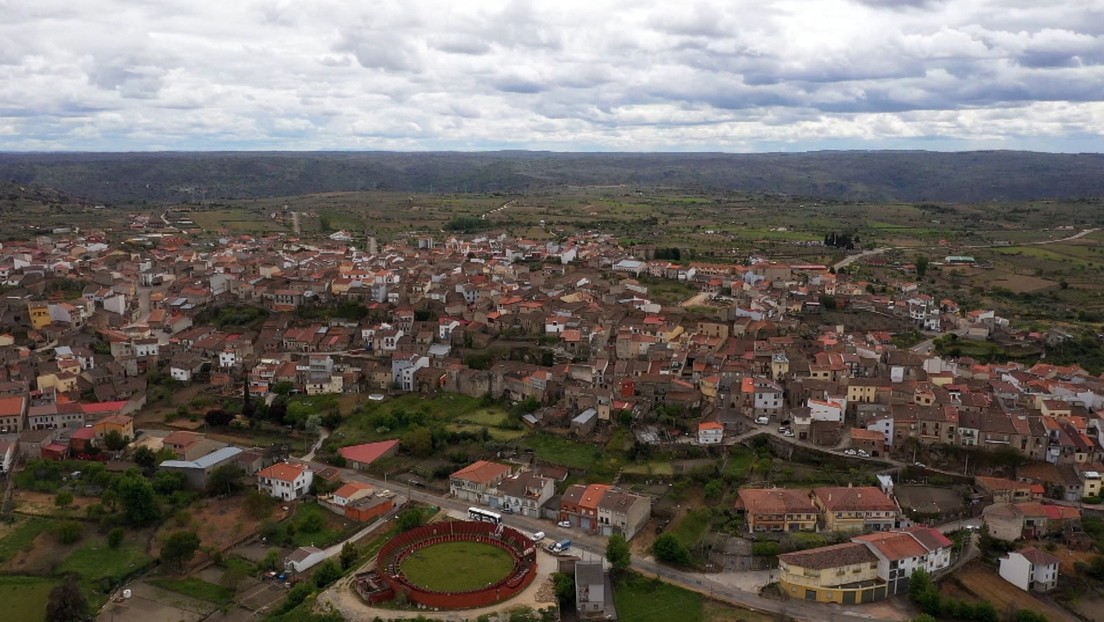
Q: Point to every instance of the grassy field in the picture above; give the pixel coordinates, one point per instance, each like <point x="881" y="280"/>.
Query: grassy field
<point x="457" y="566"/>
<point x="21" y="536"/>
<point x="95" y="561"/>
<point x="303" y="525"/>
<point x="562" y="451"/>
<point x="234" y="220"/>
<point x="385" y="420"/>
<point x="25" y="598"/>
<point x="692" y="528"/>
<point x="642" y="599"/>
<point x="196" y="588"/>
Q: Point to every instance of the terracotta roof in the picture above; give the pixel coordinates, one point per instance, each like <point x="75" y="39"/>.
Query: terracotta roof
<point x="283" y="471"/>
<point x="929" y="537"/>
<point x="857" y="498"/>
<point x="866" y="435"/>
<point x="999" y="483"/>
<point x="894" y="546"/>
<point x="834" y="556"/>
<point x="12" y="406"/>
<point x="368" y="452"/>
<point x="776" y="501"/>
<point x="350" y="489"/>
<point x="482" y="472"/>
<point x="1039" y="558"/>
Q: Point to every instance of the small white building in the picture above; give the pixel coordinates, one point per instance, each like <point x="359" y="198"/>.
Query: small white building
<point x="284" y="480"/>
<point x="303" y="558"/>
<point x="1030" y="570"/>
<point x="710" y="433"/>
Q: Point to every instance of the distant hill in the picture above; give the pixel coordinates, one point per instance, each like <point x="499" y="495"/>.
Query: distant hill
<point x="842" y="175"/>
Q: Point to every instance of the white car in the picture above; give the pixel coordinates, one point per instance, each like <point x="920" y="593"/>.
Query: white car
<point x="762" y="420"/>
<point x="564" y="523"/>
<point x="537" y="537"/>
<point x="788" y="433"/>
<point x="850" y="452"/>
<point x="863" y="454"/>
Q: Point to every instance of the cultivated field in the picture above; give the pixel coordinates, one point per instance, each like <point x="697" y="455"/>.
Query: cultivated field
<point x="986" y="584"/>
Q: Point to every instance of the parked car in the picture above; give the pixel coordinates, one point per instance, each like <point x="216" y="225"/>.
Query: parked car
<point x="788" y="433"/>
<point x="850" y="452"/>
<point x="762" y="420"/>
<point x="863" y="454"/>
<point x="564" y="523"/>
<point x="537" y="537"/>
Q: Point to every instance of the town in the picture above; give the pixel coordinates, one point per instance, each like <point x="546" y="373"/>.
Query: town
<point x="280" y="425"/>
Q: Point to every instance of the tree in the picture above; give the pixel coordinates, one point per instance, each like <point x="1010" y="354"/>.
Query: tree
<point x="69" y="531"/>
<point x="667" y="549"/>
<point x="410" y="519"/>
<point x="225" y="480"/>
<point x="564" y="585"/>
<point x="218" y="418"/>
<point x="419" y="442"/>
<point x="63" y="499"/>
<point x="1027" y="615"/>
<point x="178" y="548"/>
<point x="921" y="266"/>
<point x="349" y="555"/>
<point x="259" y="505"/>
<point x="145" y="458"/>
<point x="168" y="482"/>
<point x="67" y="602"/>
<point x="618" y="553"/>
<point x="327" y="573"/>
<point x="114" y="440"/>
<point x="136" y="496"/>
<point x="115" y="537"/>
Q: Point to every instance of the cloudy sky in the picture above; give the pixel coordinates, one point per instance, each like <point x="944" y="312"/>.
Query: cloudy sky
<point x="621" y="75"/>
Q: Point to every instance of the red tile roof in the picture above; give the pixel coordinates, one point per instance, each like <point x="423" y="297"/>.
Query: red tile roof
<point x="368" y="452"/>
<point x="483" y="472"/>
<point x="283" y="471"/>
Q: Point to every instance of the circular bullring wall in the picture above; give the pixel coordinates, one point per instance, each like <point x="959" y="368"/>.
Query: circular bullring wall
<point x="389" y="563"/>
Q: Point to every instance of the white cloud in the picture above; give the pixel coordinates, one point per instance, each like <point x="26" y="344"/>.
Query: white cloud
<point x="600" y="74"/>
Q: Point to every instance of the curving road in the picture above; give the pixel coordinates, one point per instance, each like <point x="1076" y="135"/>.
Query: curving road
<point x="596" y="545"/>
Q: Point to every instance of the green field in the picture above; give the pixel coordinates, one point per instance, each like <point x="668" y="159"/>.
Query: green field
<point x="562" y="451"/>
<point x="95" y="561"/>
<point x="25" y="598"/>
<point x="692" y="528"/>
<point x="648" y="600"/>
<point x="457" y="566"/>
<point x="22" y="536"/>
<point x="196" y="588"/>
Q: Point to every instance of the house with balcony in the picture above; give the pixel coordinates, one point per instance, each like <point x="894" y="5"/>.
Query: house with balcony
<point x="777" y="509"/>
<point x="524" y="493"/>
<point x="478" y="482"/>
<point x="285" y="480"/>
<point x="856" y="509"/>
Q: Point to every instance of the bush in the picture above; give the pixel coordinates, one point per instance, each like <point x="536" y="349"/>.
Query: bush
<point x="667" y="549"/>
<point x="69" y="531"/>
<point x="327" y="573"/>
<point x="115" y="537"/>
<point x="63" y="499"/>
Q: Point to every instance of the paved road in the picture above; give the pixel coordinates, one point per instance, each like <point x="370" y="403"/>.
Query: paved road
<point x="596" y="545"/>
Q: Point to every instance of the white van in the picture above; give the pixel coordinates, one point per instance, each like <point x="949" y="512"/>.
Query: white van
<point x="537" y="537"/>
<point x="762" y="420"/>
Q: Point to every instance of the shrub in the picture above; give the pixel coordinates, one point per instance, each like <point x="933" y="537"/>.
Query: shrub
<point x="69" y="531"/>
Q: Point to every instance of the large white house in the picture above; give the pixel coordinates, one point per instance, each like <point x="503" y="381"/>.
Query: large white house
<point x="285" y="481"/>
<point x="1030" y="570"/>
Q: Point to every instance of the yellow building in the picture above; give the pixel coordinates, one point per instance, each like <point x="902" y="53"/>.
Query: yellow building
<point x="863" y="390"/>
<point x="780" y="366"/>
<point x="844" y="573"/>
<point x="122" y="424"/>
<point x="40" y="314"/>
